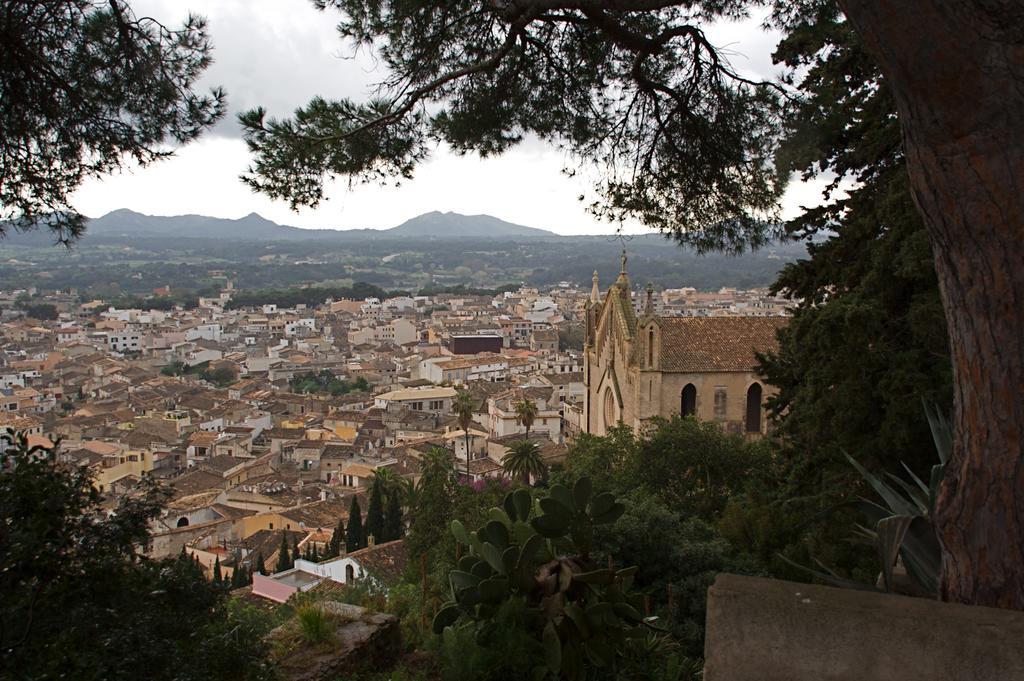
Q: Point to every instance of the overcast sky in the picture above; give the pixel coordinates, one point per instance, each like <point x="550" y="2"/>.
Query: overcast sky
<point x="278" y="54"/>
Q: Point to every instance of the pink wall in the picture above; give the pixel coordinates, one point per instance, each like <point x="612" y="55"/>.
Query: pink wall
<point x="269" y="588"/>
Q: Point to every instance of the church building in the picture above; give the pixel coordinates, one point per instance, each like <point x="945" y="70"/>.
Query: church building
<point x="637" y="368"/>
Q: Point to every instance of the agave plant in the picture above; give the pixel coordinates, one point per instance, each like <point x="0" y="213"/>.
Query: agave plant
<point x="900" y="525"/>
<point x="539" y="553"/>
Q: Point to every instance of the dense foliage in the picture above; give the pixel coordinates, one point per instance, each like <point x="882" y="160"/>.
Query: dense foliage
<point x="221" y="376"/>
<point x="310" y="296"/>
<point x="81" y="602"/>
<point x="324" y="381"/>
<point x="86" y="85"/>
<point x="533" y="559"/>
<point x="676" y="479"/>
<point x="868" y="338"/>
<point x="867" y="342"/>
<point x="102" y="268"/>
<point x="41" y="311"/>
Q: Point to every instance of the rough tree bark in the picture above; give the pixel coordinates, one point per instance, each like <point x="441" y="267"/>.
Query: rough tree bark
<point x="957" y="70"/>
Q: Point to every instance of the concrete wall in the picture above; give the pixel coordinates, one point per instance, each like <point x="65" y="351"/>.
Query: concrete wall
<point x="332" y="569"/>
<point x="164" y="544"/>
<point x="770" y="630"/>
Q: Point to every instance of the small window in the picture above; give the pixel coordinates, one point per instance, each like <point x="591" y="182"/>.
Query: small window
<point x="271" y="525"/>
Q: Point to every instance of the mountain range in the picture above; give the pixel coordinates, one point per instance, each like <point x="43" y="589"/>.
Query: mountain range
<point x="125" y="223"/>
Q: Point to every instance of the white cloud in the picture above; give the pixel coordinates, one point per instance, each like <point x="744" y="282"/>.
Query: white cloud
<point x="279" y="53"/>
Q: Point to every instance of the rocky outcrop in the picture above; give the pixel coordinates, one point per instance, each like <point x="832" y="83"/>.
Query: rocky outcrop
<point x="362" y="641"/>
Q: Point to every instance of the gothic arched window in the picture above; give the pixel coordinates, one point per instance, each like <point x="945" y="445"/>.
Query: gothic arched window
<point x="609" y="408"/>
<point x="688" y="400"/>
<point x="754" y="393"/>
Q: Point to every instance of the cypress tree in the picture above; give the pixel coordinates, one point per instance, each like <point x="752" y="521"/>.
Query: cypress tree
<point x="283" y="560"/>
<point x="337" y="540"/>
<point x="394" y="528"/>
<point x="354" y="538"/>
<point x="295" y="551"/>
<point x="260" y="568"/>
<point x="375" y="515"/>
<point x="217" y="577"/>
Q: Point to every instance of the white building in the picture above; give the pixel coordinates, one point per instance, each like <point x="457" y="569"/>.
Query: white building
<point x="434" y="400"/>
<point x="126" y="340"/>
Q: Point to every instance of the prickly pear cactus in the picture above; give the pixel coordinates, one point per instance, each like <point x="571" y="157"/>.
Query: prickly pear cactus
<point x="539" y="551"/>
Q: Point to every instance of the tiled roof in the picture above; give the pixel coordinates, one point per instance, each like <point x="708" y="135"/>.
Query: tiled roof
<point x="320" y="514"/>
<point x="701" y="344"/>
<point x="386" y="561"/>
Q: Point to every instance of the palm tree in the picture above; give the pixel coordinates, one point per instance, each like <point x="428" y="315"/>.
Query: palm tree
<point x="523" y="460"/>
<point x="409" y="492"/>
<point x="526" y="413"/>
<point x="463" y="408"/>
<point x="388" y="480"/>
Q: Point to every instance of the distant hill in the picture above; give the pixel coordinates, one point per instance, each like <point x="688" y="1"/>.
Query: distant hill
<point x="126" y="223"/>
<point x="437" y="225"/>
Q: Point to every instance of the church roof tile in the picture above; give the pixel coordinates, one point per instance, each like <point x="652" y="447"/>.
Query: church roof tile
<point x="703" y="344"/>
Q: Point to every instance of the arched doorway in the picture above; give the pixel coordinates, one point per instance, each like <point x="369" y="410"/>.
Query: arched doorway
<point x="688" y="400"/>
<point x="350" y="574"/>
<point x="182" y="522"/>
<point x="754" y="393"/>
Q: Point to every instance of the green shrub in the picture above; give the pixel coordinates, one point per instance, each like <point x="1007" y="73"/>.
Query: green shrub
<point x="315" y="623"/>
<point x="529" y="573"/>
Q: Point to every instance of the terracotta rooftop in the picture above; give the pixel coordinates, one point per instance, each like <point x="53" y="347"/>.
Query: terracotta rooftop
<point x="386" y="561"/>
<point x="702" y="344"/>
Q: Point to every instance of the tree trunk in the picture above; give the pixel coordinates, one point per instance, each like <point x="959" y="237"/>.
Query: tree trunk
<point x="956" y="68"/>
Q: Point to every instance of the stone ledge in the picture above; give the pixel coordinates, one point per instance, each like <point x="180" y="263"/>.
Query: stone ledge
<point x="363" y="641"/>
<point x="771" y="630"/>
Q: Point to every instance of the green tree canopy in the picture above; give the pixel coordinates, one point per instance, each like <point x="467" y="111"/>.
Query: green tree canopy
<point x="867" y="342"/>
<point x="463" y="406"/>
<point x="337" y="539"/>
<point x="526" y="413"/>
<point x="523" y="461"/>
<point x="79" y="601"/>
<point x="375" y="513"/>
<point x="87" y="85"/>
<point x="284" y="558"/>
<point x="355" y="536"/>
<point x="394" y="523"/>
<point x="432" y="510"/>
<point x="693" y="466"/>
